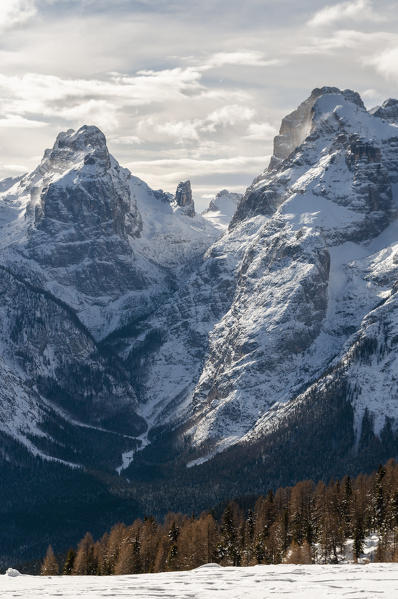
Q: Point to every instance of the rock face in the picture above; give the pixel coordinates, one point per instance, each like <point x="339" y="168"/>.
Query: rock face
<point x="183" y="198"/>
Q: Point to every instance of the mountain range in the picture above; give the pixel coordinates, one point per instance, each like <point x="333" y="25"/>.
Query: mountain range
<point x="154" y="358"/>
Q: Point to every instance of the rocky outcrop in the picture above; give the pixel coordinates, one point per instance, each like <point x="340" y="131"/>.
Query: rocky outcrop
<point x="183" y="198"/>
<point x="224" y="197"/>
<point x="56" y="380"/>
<point x="297" y="125"/>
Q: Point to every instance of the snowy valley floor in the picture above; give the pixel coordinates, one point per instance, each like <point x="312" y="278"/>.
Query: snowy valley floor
<point x="365" y="581"/>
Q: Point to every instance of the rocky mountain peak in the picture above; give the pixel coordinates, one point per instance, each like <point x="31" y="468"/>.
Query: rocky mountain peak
<point x="329" y="131"/>
<point x="348" y="94"/>
<point x="78" y="183"/>
<point x="86" y="145"/>
<point x="297" y="125"/>
<point x="224" y="196"/>
<point x="9" y="182"/>
<point x="96" y="236"/>
<point x="387" y="111"/>
<point x="184" y="199"/>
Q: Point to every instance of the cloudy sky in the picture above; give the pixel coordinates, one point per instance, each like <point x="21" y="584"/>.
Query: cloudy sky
<point x="182" y="88"/>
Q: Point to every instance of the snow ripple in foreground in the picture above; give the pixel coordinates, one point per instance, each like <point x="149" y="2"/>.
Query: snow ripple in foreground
<point x="211" y="581"/>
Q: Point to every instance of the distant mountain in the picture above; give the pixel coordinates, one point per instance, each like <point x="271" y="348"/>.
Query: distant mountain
<point x="202" y="357"/>
<point x="222" y="208"/>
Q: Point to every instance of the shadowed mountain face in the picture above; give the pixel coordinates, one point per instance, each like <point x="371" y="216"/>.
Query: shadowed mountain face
<point x="142" y="339"/>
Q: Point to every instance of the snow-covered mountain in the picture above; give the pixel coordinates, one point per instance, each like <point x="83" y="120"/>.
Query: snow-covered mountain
<point x="235" y="349"/>
<point x="222" y="208"/>
<point x="95" y="236"/>
<point x="85" y="249"/>
<point x="298" y="296"/>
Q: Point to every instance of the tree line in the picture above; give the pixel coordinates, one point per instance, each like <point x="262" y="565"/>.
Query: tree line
<point x="301" y="524"/>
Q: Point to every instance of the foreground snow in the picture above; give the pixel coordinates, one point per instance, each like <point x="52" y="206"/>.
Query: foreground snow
<point x="365" y="581"/>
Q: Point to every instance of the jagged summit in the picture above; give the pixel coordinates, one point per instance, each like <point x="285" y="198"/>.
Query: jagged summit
<point x="86" y="137"/>
<point x="86" y="146"/>
<point x="297" y="125"/>
<point x="221" y="197"/>
<point x="288" y="281"/>
<point x="329" y="121"/>
<point x="86" y="250"/>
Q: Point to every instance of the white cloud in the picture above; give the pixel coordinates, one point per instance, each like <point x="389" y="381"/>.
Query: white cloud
<point x="252" y="58"/>
<point x="101" y="112"/>
<point x="16" y="12"/>
<point x="195" y="129"/>
<point x="127" y="140"/>
<point x="230" y="115"/>
<point x="371" y="97"/>
<point x="386" y="63"/>
<point x="220" y="75"/>
<point x="16" y="121"/>
<point x="261" y="131"/>
<point x="146" y="87"/>
<point x="343" y="39"/>
<point x="172" y="170"/>
<point x="181" y="130"/>
<point x="13" y="169"/>
<point x="346" y="38"/>
<point x="356" y="9"/>
<point x="93" y="100"/>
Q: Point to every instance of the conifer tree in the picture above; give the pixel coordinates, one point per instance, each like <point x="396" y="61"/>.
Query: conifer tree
<point x="129" y="554"/>
<point x="172" y="535"/>
<point x="358" y="535"/>
<point x="50" y="565"/>
<point x="228" y="549"/>
<point x="69" y="562"/>
<point x="85" y="562"/>
<point x="299" y="554"/>
<point x="296" y="524"/>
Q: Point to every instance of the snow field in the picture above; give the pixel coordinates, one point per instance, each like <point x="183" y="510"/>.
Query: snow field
<point x="364" y="581"/>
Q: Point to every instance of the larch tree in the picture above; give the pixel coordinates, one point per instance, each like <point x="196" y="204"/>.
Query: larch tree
<point x="50" y="565"/>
